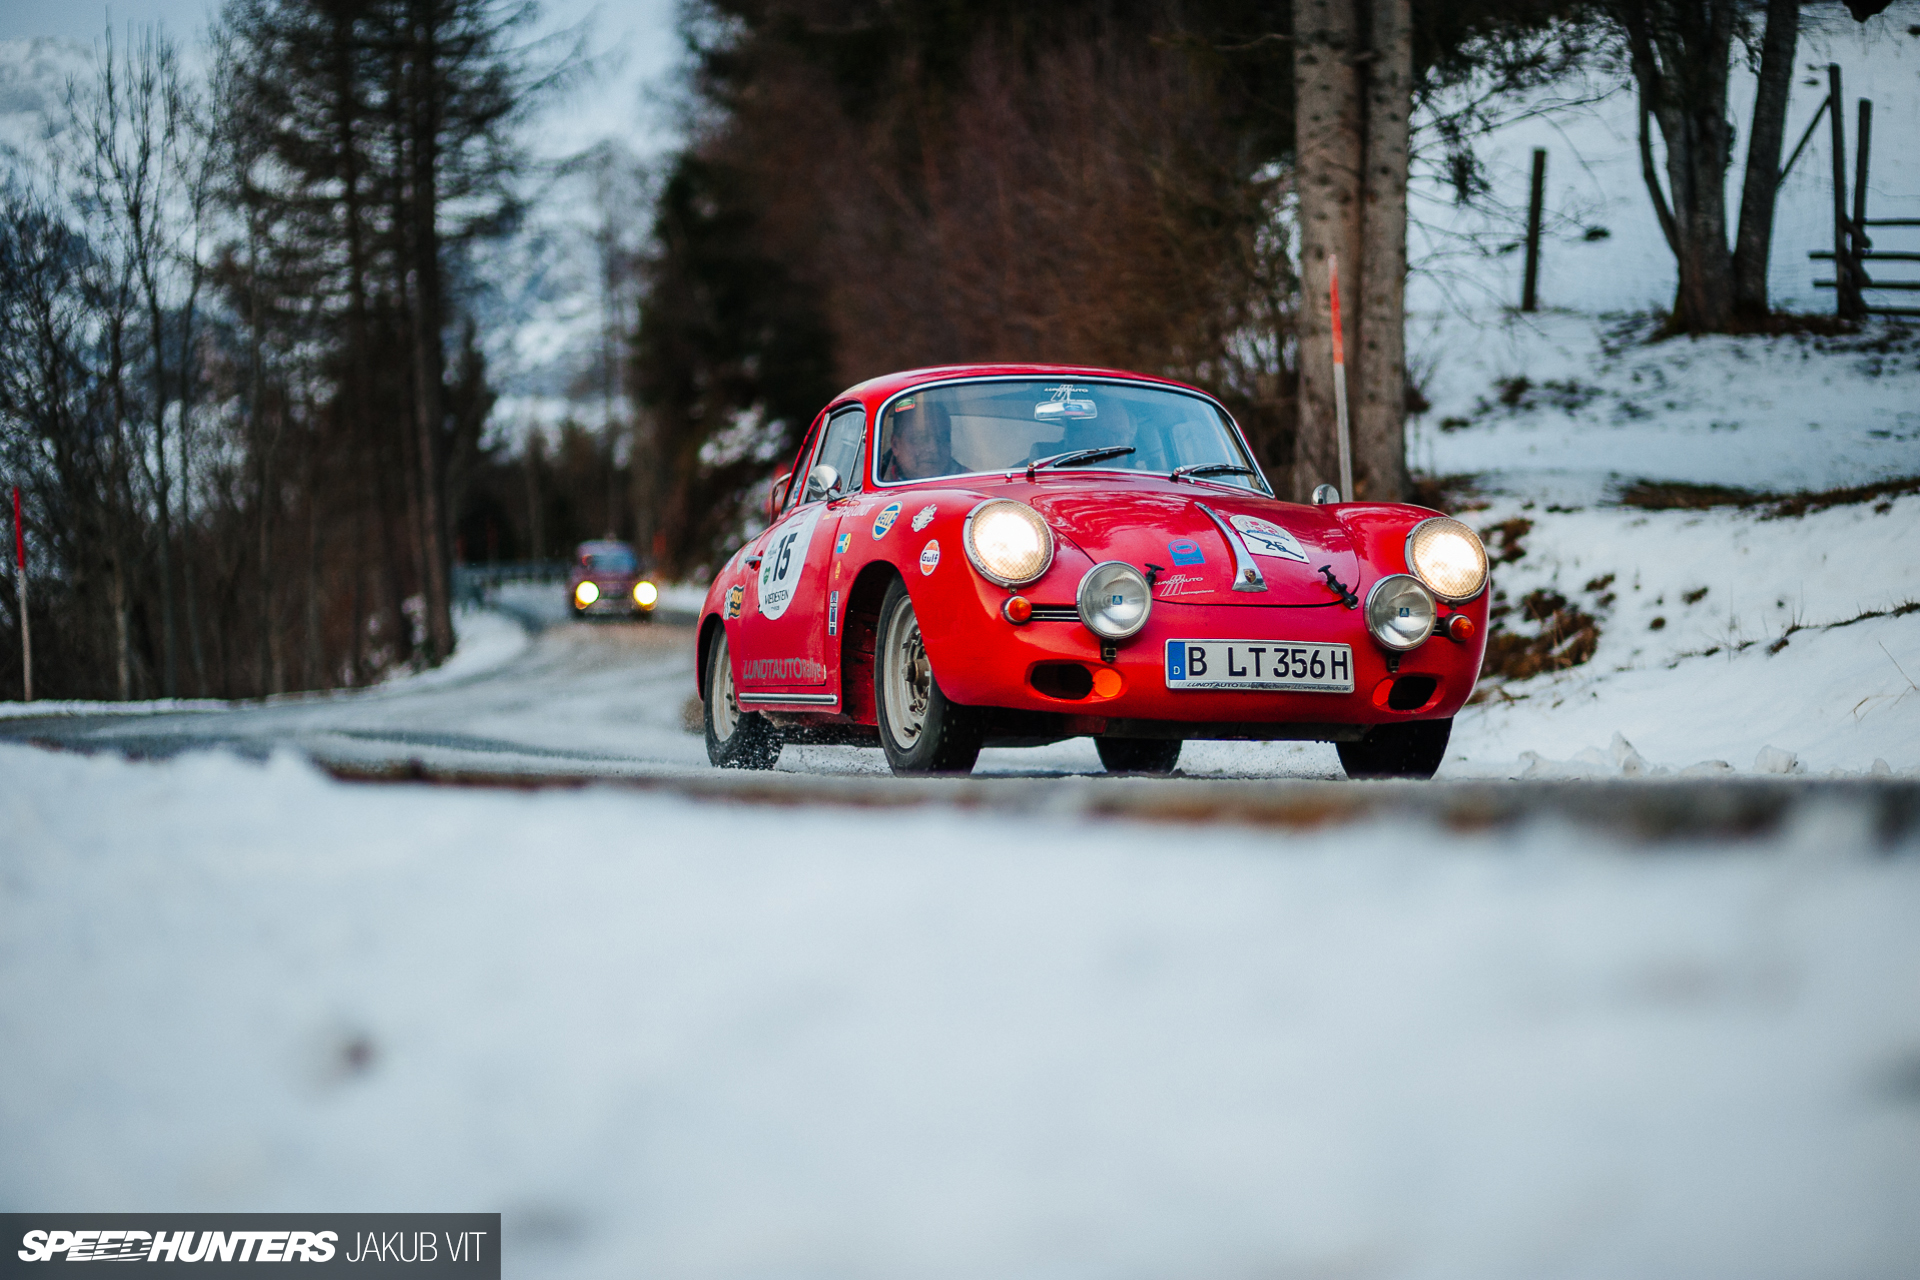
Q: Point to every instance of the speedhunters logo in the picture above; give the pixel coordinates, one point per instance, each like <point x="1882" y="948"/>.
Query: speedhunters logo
<point x="452" y="1244"/>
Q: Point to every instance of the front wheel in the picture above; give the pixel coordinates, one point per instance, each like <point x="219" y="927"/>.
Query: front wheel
<point x="736" y="739"/>
<point x="1410" y="750"/>
<point x="920" y="729"/>
<point x="1138" y="755"/>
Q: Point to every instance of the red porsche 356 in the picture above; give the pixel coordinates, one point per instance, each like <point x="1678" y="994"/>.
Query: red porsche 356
<point x="1014" y="555"/>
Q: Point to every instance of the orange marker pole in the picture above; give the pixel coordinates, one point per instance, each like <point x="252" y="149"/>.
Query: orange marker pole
<point x="1340" y="381"/>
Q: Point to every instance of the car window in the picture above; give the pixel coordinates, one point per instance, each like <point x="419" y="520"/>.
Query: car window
<point x="800" y="468"/>
<point x="1000" y="425"/>
<point x="617" y="560"/>
<point x="846" y="433"/>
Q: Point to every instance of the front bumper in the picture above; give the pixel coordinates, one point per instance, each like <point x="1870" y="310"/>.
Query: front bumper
<point x="993" y="663"/>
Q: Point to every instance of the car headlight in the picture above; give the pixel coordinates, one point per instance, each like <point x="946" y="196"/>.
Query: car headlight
<point x="1008" y="542"/>
<point x="645" y="594"/>
<point x="1114" y="600"/>
<point x="1449" y="558"/>
<point x="585" y="594"/>
<point x="1400" y="612"/>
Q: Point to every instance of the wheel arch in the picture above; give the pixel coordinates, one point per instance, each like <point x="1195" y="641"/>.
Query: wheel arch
<point x="859" y="636"/>
<point x="708" y="625"/>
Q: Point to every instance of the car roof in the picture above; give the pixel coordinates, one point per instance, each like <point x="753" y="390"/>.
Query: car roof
<point x="880" y="388"/>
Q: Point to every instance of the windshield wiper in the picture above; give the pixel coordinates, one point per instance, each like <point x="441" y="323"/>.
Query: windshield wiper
<point x="1079" y="456"/>
<point x="1209" y="469"/>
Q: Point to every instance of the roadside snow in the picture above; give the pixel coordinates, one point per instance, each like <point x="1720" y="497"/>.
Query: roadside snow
<point x="688" y="1040"/>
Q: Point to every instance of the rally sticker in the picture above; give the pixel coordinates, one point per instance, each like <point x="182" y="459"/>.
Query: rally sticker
<point x="924" y="516"/>
<point x="782" y="559"/>
<point x="1264" y="538"/>
<point x="930" y="556"/>
<point x="1186" y="551"/>
<point x="884" y="521"/>
<point x="840" y="546"/>
<point x="833" y="613"/>
<point x="735" y="594"/>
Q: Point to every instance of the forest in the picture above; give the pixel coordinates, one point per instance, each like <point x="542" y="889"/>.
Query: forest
<point x="244" y="388"/>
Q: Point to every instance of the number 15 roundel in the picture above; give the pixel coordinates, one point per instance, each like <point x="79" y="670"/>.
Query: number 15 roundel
<point x="784" y="558"/>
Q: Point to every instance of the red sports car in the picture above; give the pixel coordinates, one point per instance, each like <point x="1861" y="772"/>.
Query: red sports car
<point x="1012" y="555"/>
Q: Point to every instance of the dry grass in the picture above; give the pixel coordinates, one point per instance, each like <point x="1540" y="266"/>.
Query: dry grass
<point x="1670" y="495"/>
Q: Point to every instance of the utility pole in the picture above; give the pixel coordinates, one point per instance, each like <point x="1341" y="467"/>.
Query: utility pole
<point x="20" y="580"/>
<point x="1529" y="297"/>
<point x="1846" y="273"/>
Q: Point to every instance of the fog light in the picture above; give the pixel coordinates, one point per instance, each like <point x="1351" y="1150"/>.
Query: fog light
<point x="645" y="594"/>
<point x="1400" y="612"/>
<point x="585" y="594"/>
<point x="1114" y="600"/>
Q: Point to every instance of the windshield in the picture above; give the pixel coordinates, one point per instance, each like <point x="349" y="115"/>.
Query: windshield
<point x="999" y="426"/>
<point x="611" y="560"/>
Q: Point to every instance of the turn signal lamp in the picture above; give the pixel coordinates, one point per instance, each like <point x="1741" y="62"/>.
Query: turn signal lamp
<point x="1018" y="610"/>
<point x="645" y="594"/>
<point x="1460" y="628"/>
<point x="585" y="594"/>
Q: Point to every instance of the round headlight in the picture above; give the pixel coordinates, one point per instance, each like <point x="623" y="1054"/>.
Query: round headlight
<point x="645" y="594"/>
<point x="585" y="594"/>
<point x="1400" y="612"/>
<point x="1114" y="600"/>
<point x="1008" y="542"/>
<point x="1448" y="557"/>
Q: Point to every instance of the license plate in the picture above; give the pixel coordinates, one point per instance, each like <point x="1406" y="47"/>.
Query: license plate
<point x="1259" y="664"/>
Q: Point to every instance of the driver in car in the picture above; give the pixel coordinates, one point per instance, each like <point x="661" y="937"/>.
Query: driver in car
<point x="921" y="444"/>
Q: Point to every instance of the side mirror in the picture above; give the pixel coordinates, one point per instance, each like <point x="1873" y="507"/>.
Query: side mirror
<point x="1323" y="494"/>
<point x="778" y="497"/>
<point x="821" y="481"/>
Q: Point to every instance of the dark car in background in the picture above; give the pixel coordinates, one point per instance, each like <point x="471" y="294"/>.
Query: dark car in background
<point x="607" y="579"/>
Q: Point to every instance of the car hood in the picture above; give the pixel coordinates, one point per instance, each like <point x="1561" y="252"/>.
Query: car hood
<point x="1287" y="542"/>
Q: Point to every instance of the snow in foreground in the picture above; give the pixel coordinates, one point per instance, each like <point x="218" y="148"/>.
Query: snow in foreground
<point x="679" y="1039"/>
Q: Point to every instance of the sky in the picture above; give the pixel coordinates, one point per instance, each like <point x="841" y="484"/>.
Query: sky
<point x="634" y="40"/>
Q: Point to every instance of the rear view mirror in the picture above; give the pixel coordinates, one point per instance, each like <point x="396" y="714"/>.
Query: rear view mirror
<point x="821" y="481"/>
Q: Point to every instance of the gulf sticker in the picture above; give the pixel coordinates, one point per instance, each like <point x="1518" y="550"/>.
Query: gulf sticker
<point x="930" y="556"/>
<point x="1265" y="538"/>
<point x="884" y="521"/>
<point x="735" y="594"/>
<point x="841" y="545"/>
<point x="924" y="516"/>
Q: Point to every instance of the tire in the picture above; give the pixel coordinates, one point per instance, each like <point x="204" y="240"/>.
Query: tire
<point x="1410" y="750"/>
<point x="1138" y="755"/>
<point x="920" y="729"/>
<point x="736" y="739"/>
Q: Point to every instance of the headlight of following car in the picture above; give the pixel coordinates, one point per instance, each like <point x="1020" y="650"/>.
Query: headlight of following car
<point x="1448" y="557"/>
<point x="586" y="593"/>
<point x="1114" y="600"/>
<point x="1400" y="612"/>
<point x="645" y="594"/>
<point x="1008" y="542"/>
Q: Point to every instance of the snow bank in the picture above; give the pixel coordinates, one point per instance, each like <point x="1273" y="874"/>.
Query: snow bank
<point x="687" y="1040"/>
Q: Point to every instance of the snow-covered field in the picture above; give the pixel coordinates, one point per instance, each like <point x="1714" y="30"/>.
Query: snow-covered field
<point x="678" y="1039"/>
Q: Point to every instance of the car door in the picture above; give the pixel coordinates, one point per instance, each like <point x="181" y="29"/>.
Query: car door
<point x="785" y="655"/>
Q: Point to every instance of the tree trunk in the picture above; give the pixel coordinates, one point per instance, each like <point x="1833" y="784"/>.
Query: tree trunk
<point x="1753" y="243"/>
<point x="1380" y="420"/>
<point x="427" y="359"/>
<point x="1328" y="178"/>
<point x="1679" y="51"/>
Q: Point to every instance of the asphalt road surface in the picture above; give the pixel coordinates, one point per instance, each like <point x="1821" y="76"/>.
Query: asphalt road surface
<point x="612" y="703"/>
